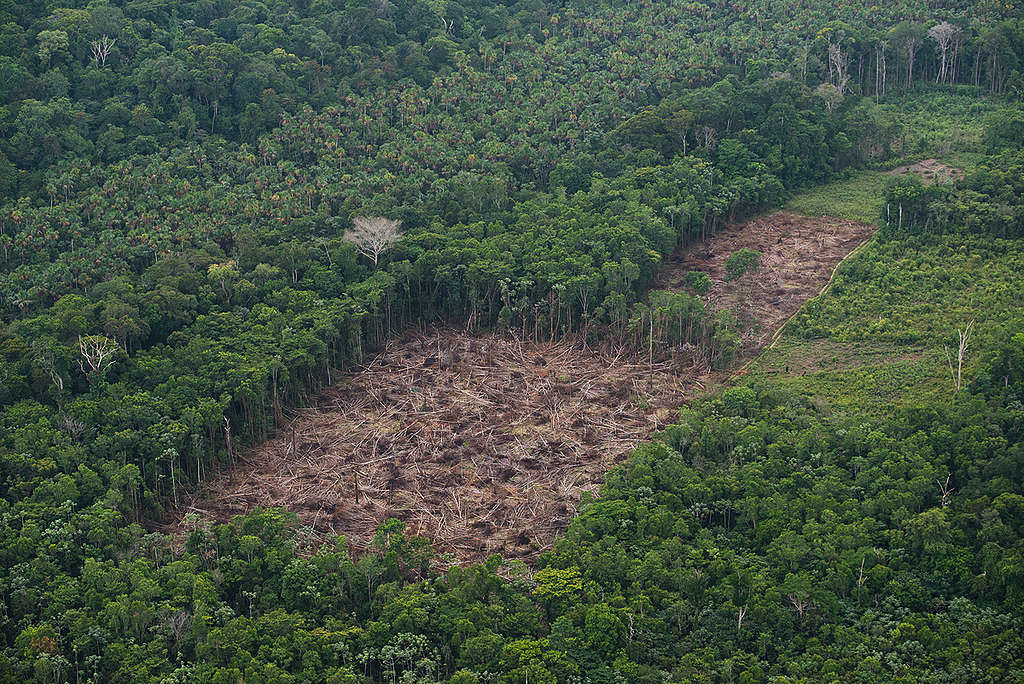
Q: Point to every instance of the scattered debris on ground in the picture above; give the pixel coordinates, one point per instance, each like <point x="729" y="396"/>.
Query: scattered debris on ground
<point x="799" y="255"/>
<point x="486" y="443"/>
<point x="931" y="171"/>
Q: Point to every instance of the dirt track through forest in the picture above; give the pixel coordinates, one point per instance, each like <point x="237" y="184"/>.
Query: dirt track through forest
<point x="485" y="443"/>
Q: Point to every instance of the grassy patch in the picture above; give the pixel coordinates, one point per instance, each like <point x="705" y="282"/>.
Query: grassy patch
<point x="858" y="197"/>
<point x="877" y="337"/>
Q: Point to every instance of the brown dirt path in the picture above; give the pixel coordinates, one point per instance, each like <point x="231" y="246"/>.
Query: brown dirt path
<point x="485" y="443"/>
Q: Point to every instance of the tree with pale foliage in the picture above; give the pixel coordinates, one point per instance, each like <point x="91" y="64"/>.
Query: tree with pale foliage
<point x="373" y="235"/>
<point x="830" y="95"/>
<point x="944" y="34"/>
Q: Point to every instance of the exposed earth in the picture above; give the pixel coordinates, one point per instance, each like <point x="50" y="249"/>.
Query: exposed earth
<point x="931" y="171"/>
<point x="486" y="443"/>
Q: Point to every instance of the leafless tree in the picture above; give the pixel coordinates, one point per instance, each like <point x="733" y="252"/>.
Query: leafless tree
<point x="861" y="579"/>
<point x="946" y="491"/>
<point x="957" y="373"/>
<point x="48" y="361"/>
<point x="373" y="235"/>
<point x="706" y="136"/>
<point x="944" y="34"/>
<point x="800" y="602"/>
<point x="838" y="66"/>
<point x="910" y="46"/>
<point x="101" y="49"/>
<point x="227" y="439"/>
<point x="739" y="622"/>
<point x="881" y="65"/>
<point x="98" y="353"/>
<point x="72" y="426"/>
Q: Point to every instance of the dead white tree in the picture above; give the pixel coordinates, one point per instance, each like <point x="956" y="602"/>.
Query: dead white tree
<point x="373" y="235"/>
<point x="861" y="579"/>
<point x="946" y="491"/>
<point x="101" y="48"/>
<point x="910" y="46"/>
<point x="801" y="602"/>
<point x="706" y="136"/>
<point x="839" y="65"/>
<point x="880" y="68"/>
<point x="944" y="35"/>
<point x="957" y="373"/>
<point x="742" y="614"/>
<point x="98" y="353"/>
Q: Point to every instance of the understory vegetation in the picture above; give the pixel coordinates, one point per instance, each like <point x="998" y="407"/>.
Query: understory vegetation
<point x="177" y="185"/>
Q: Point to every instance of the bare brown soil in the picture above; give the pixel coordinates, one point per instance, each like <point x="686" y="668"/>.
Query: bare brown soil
<point x="486" y="443"/>
<point x="799" y="255"/>
<point x="931" y="171"/>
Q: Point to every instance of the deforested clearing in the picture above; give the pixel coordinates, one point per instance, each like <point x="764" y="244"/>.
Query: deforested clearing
<point x="485" y="443"/>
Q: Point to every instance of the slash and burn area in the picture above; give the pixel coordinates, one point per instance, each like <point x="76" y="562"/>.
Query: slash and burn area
<point x="486" y="443"/>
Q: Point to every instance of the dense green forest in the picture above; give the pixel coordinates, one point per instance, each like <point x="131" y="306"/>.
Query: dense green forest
<point x="176" y="183"/>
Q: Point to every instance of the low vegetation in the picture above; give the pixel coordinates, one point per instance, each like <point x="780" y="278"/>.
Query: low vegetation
<point x="212" y="213"/>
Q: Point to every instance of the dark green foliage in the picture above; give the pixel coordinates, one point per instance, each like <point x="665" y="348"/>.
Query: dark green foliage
<point x="832" y="540"/>
<point x="179" y="197"/>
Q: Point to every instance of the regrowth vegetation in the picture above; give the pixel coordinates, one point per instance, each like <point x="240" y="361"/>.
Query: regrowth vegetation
<point x="176" y="185"/>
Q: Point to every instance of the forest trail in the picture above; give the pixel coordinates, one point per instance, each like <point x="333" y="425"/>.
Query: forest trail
<point x="486" y="443"/>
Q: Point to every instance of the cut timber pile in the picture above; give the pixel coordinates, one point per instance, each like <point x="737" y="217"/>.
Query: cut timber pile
<point x="485" y="443"/>
<point x="799" y="254"/>
<point x="485" y="448"/>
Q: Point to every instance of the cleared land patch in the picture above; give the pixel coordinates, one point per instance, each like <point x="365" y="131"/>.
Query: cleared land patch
<point x="799" y="254"/>
<point x="930" y="170"/>
<point x="486" y="443"/>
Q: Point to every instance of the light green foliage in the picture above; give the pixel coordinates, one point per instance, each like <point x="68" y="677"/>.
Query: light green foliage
<point x="858" y="197"/>
<point x="741" y="262"/>
<point x="698" y="281"/>
<point x="184" y="198"/>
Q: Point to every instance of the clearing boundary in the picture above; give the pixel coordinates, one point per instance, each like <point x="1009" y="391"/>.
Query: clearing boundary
<point x="486" y="443"/>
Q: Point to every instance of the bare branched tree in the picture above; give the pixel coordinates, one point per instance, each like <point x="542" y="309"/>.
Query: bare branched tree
<point x="944" y="35"/>
<point x="801" y="602"/>
<point x="957" y="373"/>
<point x="706" y="136"/>
<point x="101" y="48"/>
<point x="373" y="235"/>
<point x="98" y="353"/>
<point x="945" y="490"/>
<point x="861" y="578"/>
<point x="839" y="65"/>
<point x="910" y="45"/>
<point x="881" y="68"/>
